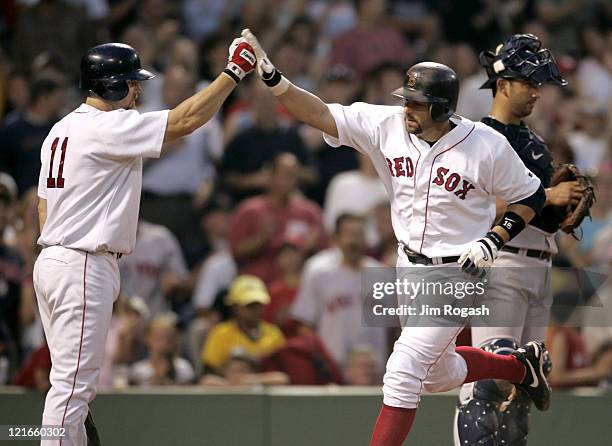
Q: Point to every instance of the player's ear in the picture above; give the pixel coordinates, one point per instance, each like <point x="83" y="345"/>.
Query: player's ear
<point x="502" y="86"/>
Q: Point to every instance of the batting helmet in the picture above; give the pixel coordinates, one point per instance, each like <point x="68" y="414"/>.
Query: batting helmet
<point x="521" y="57"/>
<point x="106" y="68"/>
<point x="431" y="83"/>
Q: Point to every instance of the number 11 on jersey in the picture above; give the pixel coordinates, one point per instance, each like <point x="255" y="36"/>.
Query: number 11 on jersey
<point x="59" y="182"/>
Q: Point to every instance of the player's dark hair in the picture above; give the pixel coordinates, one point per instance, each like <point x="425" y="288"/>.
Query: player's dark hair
<point x="345" y="217"/>
<point x="43" y="86"/>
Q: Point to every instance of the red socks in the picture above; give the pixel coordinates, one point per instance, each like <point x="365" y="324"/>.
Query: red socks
<point x="392" y="426"/>
<point x="485" y="365"/>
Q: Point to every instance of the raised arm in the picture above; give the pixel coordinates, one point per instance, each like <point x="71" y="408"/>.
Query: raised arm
<point x="305" y="106"/>
<point x="197" y="110"/>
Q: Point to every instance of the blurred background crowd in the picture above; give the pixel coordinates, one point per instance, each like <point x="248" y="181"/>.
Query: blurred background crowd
<point x="252" y="234"/>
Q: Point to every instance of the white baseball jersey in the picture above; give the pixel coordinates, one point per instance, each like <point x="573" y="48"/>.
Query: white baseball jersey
<point x="91" y="177"/>
<point x="443" y="196"/>
<point x="157" y="252"/>
<point x="330" y="300"/>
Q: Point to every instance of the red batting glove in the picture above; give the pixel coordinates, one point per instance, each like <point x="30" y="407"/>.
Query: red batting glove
<point x="241" y="60"/>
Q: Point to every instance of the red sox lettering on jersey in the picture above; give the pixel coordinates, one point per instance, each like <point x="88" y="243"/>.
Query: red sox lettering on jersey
<point x="404" y="167"/>
<point x="443" y="196"/>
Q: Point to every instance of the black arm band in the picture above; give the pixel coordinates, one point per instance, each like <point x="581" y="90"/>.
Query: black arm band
<point x="232" y="75"/>
<point x="513" y="223"/>
<point x="274" y="79"/>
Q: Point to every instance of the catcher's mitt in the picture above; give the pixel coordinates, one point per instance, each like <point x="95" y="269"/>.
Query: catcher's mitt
<point x="571" y="216"/>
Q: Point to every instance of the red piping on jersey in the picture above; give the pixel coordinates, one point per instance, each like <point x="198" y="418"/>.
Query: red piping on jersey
<point x="416" y="164"/>
<point x="80" y="343"/>
<point x="429" y="183"/>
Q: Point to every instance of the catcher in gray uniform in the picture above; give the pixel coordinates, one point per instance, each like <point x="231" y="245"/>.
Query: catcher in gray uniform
<point x="516" y="70"/>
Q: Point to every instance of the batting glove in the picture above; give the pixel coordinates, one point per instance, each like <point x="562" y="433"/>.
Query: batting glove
<point x="268" y="73"/>
<point x="480" y="254"/>
<point x="241" y="60"/>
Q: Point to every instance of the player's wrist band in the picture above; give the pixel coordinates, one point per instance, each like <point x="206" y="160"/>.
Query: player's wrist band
<point x="235" y="72"/>
<point x="277" y="83"/>
<point x="232" y="75"/>
<point x="495" y="239"/>
<point x="512" y="223"/>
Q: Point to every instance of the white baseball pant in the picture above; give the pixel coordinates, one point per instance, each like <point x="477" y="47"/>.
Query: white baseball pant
<point x="423" y="358"/>
<point x="524" y="296"/>
<point x="75" y="292"/>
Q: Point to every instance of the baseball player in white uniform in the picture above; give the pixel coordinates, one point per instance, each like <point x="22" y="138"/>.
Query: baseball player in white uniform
<point x="516" y="69"/>
<point x="89" y="190"/>
<point x="442" y="174"/>
<point x="330" y="294"/>
<point x="155" y="269"/>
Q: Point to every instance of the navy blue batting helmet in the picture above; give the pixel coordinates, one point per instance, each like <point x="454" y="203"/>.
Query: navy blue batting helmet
<point x="521" y="57"/>
<point x="106" y="68"/>
<point x="431" y="83"/>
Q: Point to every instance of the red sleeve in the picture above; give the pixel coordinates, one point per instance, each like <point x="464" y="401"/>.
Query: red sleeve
<point x="40" y="359"/>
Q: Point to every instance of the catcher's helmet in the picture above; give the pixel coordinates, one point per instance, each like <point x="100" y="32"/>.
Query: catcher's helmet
<point x="431" y="83"/>
<point x="106" y="68"/>
<point x="521" y="57"/>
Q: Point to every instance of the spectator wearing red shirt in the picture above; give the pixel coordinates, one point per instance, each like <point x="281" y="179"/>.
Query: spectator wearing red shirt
<point x="572" y="366"/>
<point x="261" y="224"/>
<point x="290" y="260"/>
<point x="35" y="372"/>
<point x="372" y="42"/>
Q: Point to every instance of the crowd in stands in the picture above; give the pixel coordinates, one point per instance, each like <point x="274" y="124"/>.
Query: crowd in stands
<point x="253" y="233"/>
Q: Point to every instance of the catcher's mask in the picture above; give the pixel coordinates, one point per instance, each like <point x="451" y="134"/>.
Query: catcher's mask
<point x="521" y="57"/>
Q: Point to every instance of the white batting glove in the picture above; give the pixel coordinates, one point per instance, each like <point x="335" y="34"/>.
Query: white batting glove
<point x="268" y="73"/>
<point x="480" y="254"/>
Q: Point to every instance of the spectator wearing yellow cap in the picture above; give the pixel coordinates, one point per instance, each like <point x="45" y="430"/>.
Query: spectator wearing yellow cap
<point x="246" y="330"/>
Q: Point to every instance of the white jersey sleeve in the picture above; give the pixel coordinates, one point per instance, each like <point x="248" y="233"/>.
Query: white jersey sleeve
<point x="130" y="134"/>
<point x="510" y="179"/>
<point x="358" y="125"/>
